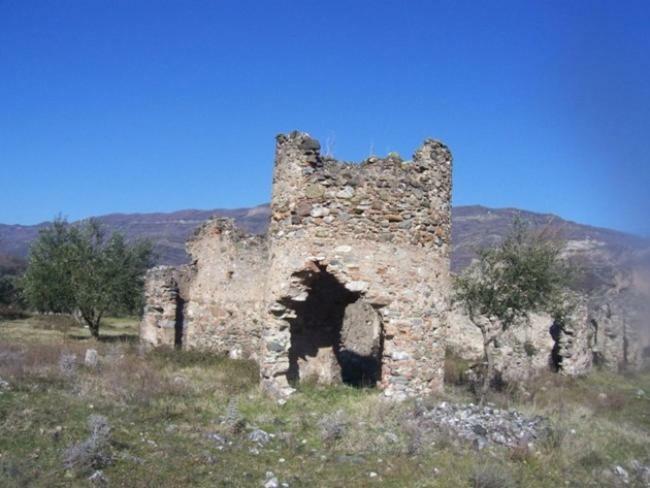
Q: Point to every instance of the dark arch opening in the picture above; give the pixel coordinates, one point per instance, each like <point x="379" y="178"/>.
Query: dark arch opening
<point x="556" y="358"/>
<point x="596" y="355"/>
<point x="318" y="345"/>
<point x="179" y="322"/>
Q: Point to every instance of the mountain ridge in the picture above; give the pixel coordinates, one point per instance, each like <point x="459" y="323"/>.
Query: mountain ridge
<point x="472" y="226"/>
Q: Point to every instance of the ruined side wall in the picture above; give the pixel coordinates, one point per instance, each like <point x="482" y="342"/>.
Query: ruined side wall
<point x="575" y="336"/>
<point x="166" y="292"/>
<point x="521" y="352"/>
<point x="382" y="229"/>
<point x="528" y="349"/>
<point x="616" y="344"/>
<point x="226" y="309"/>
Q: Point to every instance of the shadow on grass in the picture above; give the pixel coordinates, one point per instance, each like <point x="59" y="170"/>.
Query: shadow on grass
<point x="109" y="339"/>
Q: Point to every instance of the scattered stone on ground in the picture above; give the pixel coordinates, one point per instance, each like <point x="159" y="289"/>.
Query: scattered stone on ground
<point x="98" y="478"/>
<point x="218" y="439"/>
<point x="641" y="472"/>
<point x="91" y="359"/>
<point x="271" y="480"/>
<point x="622" y="474"/>
<point x="259" y="437"/>
<point x="4" y="385"/>
<point x="484" y="425"/>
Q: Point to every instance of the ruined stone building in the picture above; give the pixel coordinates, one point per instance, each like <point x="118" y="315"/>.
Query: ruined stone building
<point x="597" y="333"/>
<point x="350" y="284"/>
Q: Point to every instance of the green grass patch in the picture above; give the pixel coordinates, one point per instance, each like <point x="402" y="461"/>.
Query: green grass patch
<point x="182" y="418"/>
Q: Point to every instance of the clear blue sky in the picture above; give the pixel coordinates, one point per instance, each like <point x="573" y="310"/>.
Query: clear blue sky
<point x="139" y="106"/>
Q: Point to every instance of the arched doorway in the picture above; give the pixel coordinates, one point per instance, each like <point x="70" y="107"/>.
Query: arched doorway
<point x="336" y="336"/>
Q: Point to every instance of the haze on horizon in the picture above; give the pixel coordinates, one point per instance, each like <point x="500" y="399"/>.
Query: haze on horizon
<point x="159" y="106"/>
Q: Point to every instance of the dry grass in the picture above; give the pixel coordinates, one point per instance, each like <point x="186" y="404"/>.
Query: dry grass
<point x="183" y="419"/>
<point x="456" y="368"/>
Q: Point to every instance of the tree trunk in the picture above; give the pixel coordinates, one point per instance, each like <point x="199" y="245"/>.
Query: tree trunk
<point x="94" y="329"/>
<point x="92" y="320"/>
<point x="489" y="367"/>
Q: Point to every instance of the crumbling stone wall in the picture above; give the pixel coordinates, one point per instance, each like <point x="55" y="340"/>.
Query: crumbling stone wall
<point x="595" y="333"/>
<point x="166" y="292"/>
<point x="615" y="344"/>
<point x="526" y="349"/>
<point x="573" y="336"/>
<point x="217" y="302"/>
<point x="379" y="230"/>
<point x="351" y="283"/>
<point x="226" y="309"/>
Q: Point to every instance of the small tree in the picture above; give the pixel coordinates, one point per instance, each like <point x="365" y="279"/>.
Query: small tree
<point x="10" y="294"/>
<point x="522" y="274"/>
<point x="8" y="290"/>
<point x="76" y="269"/>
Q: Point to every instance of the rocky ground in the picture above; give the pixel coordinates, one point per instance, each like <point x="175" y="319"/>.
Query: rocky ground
<point x="481" y="426"/>
<point x="77" y="412"/>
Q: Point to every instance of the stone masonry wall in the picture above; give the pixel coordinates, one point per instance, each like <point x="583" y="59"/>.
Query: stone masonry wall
<point x="615" y="343"/>
<point x="376" y="233"/>
<point x="166" y="291"/>
<point x="520" y="353"/>
<point x="351" y="283"/>
<point x="226" y="310"/>
<point x="595" y="333"/>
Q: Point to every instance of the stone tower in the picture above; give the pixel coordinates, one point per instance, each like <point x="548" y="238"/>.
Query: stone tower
<point x="350" y="284"/>
<point x="358" y="279"/>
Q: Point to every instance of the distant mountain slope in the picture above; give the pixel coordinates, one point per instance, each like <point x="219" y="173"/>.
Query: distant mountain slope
<point x="473" y="226"/>
<point x="603" y="252"/>
<point x="168" y="231"/>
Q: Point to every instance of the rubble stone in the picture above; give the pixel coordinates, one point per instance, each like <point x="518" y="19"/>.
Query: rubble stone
<point x="482" y="426"/>
<point x="91" y="358"/>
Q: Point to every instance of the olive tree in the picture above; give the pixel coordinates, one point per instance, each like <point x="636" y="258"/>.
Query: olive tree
<point x="77" y="269"/>
<point x="524" y="273"/>
<point x="8" y="290"/>
<point x="10" y="294"/>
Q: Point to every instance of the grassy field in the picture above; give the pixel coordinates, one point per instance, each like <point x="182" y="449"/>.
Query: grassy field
<point x="186" y="418"/>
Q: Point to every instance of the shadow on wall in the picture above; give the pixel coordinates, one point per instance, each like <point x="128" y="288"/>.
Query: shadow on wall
<point x="555" y="361"/>
<point x="323" y="322"/>
<point x="179" y="322"/>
